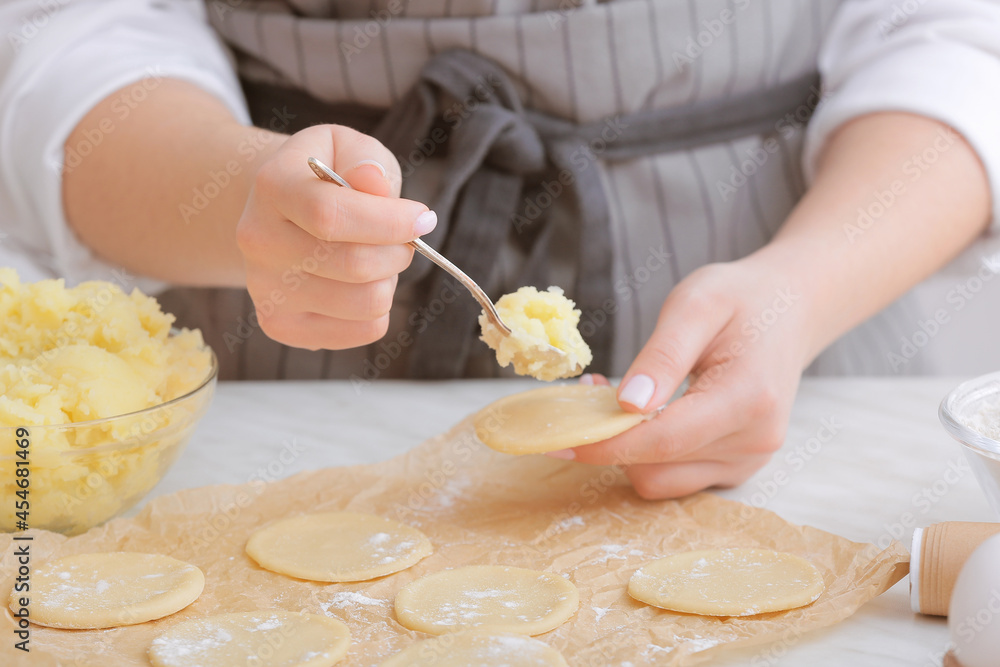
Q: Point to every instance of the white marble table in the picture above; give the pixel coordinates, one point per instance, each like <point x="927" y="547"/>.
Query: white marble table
<point x="883" y="460"/>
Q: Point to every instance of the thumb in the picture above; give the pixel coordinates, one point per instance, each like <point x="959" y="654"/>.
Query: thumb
<point x="369" y="176"/>
<point x="682" y="334"/>
<point x="365" y="162"/>
<point x="361" y="160"/>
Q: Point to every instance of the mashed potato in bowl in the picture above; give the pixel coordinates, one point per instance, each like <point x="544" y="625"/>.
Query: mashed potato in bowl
<point x="107" y="392"/>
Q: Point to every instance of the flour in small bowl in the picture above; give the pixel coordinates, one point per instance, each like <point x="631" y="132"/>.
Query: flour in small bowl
<point x="986" y="420"/>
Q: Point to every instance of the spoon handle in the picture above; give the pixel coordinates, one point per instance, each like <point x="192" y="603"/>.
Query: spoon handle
<point x="329" y="175"/>
<point x="470" y="284"/>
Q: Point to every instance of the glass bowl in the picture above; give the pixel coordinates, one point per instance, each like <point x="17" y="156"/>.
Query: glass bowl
<point x="84" y="473"/>
<point x="960" y="412"/>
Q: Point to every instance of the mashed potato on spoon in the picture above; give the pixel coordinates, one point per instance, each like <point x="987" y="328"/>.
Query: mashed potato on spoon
<point x="539" y="321"/>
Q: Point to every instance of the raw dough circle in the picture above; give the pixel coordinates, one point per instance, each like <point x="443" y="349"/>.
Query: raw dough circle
<point x="727" y="582"/>
<point x="552" y="418"/>
<point x="477" y="649"/>
<point x="261" y="638"/>
<point x="337" y="546"/>
<point x="489" y="597"/>
<point x="107" y="590"/>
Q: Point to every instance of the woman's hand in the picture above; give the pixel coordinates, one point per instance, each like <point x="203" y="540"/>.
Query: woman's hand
<point x="322" y="261"/>
<point x="744" y="331"/>
<point x="737" y="330"/>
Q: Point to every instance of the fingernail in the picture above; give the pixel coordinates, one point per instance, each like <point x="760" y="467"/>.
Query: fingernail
<point x="586" y="378"/>
<point x="638" y="391"/>
<point x="426" y="222"/>
<point x="374" y="163"/>
<point x="564" y="454"/>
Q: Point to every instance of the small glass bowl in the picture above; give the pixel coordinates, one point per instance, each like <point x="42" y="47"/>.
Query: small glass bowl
<point x="82" y="474"/>
<point x="960" y="408"/>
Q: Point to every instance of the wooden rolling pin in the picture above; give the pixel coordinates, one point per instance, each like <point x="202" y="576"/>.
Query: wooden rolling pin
<point x="937" y="555"/>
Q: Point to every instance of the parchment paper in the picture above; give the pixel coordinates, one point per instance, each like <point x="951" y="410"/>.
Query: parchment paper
<point x="477" y="507"/>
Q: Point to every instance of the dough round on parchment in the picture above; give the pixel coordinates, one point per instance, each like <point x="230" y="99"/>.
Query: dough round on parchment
<point x="477" y="649"/>
<point x="106" y="590"/>
<point x="552" y="418"/>
<point x="337" y="546"/>
<point x="491" y="598"/>
<point x="261" y="638"/>
<point x="727" y="582"/>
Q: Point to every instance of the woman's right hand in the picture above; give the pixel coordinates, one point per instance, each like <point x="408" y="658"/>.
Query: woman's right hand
<point x="322" y="261"/>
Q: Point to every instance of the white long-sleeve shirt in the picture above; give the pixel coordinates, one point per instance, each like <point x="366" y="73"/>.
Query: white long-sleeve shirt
<point x="59" y="60"/>
<point x="937" y="58"/>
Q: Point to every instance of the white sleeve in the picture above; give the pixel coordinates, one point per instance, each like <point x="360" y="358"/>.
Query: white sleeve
<point x="59" y="59"/>
<point x="936" y="58"/>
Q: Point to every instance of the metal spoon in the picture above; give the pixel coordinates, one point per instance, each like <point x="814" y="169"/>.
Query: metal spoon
<point x="329" y="175"/>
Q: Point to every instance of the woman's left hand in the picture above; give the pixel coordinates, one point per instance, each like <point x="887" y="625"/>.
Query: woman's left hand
<point x="738" y="331"/>
<point x="744" y="331"/>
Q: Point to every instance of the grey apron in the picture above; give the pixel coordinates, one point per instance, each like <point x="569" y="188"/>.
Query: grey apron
<point x="607" y="148"/>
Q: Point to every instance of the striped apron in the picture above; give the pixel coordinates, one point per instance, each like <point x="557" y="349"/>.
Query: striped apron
<point x="610" y="148"/>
